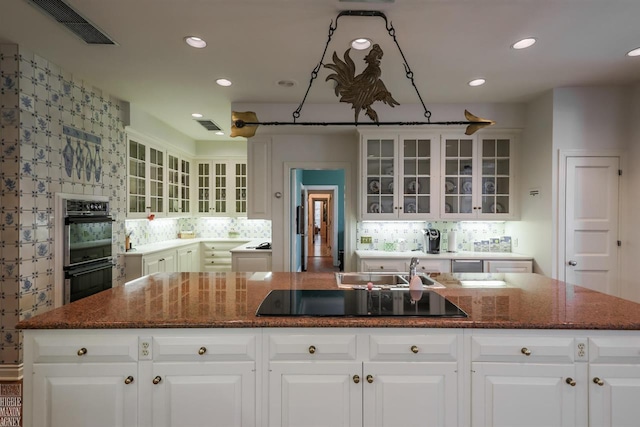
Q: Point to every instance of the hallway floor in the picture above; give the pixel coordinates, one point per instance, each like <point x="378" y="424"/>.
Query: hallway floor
<point x="319" y="259"/>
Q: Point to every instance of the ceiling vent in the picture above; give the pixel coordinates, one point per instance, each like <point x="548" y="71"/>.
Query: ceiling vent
<point x="65" y="15"/>
<point x="208" y="125"/>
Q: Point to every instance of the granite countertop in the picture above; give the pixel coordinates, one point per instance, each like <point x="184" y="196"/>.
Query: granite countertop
<point x="230" y="300"/>
<point x="365" y="254"/>
<point x="251" y="247"/>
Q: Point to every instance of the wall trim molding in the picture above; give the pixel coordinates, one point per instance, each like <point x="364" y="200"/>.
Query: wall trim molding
<point x="11" y="372"/>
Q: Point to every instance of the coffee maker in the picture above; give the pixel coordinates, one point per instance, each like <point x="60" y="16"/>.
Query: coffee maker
<point x="431" y="240"/>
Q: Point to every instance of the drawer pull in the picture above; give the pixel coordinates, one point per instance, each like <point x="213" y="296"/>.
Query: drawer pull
<point x="202" y="350"/>
<point x="157" y="379"/>
<point x="598" y="381"/>
<point x="128" y="380"/>
<point x="312" y="349"/>
<point x="525" y="351"/>
<point x="82" y="351"/>
<point x="369" y="379"/>
<point x="356" y="379"/>
<point x="415" y="349"/>
<point x="571" y="382"/>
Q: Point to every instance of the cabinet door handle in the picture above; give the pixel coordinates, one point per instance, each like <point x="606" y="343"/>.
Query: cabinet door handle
<point x="598" y="381"/>
<point x="571" y="382"/>
<point x="356" y="379"/>
<point x="157" y="379"/>
<point x="525" y="351"/>
<point x="369" y="379"/>
<point x="128" y="380"/>
<point x="202" y="350"/>
<point x="572" y="263"/>
<point x="415" y="349"/>
<point x="312" y="349"/>
<point x="82" y="351"/>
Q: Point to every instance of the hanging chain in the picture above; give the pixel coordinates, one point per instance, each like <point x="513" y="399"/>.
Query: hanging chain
<point x="392" y="33"/>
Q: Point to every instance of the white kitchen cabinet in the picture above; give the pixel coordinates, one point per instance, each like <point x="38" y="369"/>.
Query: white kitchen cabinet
<point x="188" y="258"/>
<point x="478" y="176"/>
<point x="146" y="175"/>
<point x="503" y="266"/>
<point x="222" y="187"/>
<point x="216" y="255"/>
<point x="426" y="265"/>
<point x="527" y="380"/>
<point x="159" y="262"/>
<point x="178" y="185"/>
<point x="259" y="178"/>
<point x="383" y="265"/>
<point x="614" y="381"/>
<point x="259" y="260"/>
<point x="399" y="176"/>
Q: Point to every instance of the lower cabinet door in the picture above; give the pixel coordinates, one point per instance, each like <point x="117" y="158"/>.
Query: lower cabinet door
<point x="614" y="395"/>
<point x="532" y="395"/>
<point x="91" y="394"/>
<point x="410" y="394"/>
<point x="203" y="394"/>
<point x="318" y="394"/>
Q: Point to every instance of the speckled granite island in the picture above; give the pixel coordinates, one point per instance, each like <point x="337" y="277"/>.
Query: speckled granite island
<point x="187" y="348"/>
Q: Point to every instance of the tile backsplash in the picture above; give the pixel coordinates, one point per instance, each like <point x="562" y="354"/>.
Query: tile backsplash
<point x="411" y="231"/>
<point x="143" y="232"/>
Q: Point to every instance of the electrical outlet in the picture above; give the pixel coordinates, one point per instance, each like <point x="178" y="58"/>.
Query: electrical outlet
<point x="365" y="239"/>
<point x="144" y="348"/>
<point x="581" y="350"/>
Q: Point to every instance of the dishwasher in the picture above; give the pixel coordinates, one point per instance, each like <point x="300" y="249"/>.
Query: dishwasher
<point x="467" y="265"/>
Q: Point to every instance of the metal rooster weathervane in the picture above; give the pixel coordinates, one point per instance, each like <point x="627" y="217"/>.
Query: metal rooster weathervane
<point x="360" y="91"/>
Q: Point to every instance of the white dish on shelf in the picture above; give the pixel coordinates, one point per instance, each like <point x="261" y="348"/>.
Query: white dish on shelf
<point x="489" y="187"/>
<point x="374" y="208"/>
<point x="449" y="187"/>
<point x="467" y="188"/>
<point x="413" y="187"/>
<point x="390" y="187"/>
<point x="374" y="186"/>
<point x="496" y="208"/>
<point x="410" y="208"/>
<point x="447" y="208"/>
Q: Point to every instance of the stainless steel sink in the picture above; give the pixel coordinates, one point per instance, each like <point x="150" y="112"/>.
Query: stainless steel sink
<point x="382" y="280"/>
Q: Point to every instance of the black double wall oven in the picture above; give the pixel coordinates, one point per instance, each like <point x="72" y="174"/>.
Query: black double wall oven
<point x="88" y="241"/>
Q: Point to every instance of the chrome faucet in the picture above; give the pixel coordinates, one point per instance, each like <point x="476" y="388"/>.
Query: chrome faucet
<point x="412" y="266"/>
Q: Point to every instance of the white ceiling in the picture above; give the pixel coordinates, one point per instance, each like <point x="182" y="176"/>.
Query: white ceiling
<point x="256" y="43"/>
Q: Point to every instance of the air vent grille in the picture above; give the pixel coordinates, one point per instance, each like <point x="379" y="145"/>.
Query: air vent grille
<point x="65" y="15"/>
<point x="208" y="125"/>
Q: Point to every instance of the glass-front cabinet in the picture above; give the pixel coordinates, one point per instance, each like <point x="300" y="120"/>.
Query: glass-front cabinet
<point x="178" y="185"/>
<point x="399" y="180"/>
<point x="477" y="177"/>
<point x="222" y="187"/>
<point x="146" y="180"/>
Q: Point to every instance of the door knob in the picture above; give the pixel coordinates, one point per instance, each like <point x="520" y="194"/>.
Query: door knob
<point x="356" y="379"/>
<point x="572" y="263"/>
<point x="157" y="379"/>
<point x="369" y="379"/>
<point x="128" y="380"/>
<point x="571" y="382"/>
<point x="598" y="381"/>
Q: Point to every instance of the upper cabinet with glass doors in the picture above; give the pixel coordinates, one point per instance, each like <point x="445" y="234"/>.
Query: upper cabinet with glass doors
<point x="146" y="180"/>
<point x="399" y="177"/>
<point x="478" y="177"/>
<point x="178" y="183"/>
<point x="222" y="188"/>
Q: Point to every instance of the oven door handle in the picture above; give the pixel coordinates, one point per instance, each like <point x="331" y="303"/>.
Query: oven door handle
<point x="77" y="273"/>
<point x="87" y="219"/>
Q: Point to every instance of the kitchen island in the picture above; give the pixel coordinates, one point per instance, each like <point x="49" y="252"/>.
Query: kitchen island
<point x="179" y="348"/>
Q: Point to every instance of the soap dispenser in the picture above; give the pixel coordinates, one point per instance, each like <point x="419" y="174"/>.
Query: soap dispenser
<point x="415" y="282"/>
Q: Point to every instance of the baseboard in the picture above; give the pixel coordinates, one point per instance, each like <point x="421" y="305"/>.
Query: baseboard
<point x="11" y="372"/>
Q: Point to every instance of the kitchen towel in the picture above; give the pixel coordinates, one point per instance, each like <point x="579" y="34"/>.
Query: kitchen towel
<point x="452" y="241"/>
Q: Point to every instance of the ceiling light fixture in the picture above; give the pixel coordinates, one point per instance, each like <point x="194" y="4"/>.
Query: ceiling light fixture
<point x="477" y="82"/>
<point x="361" y="90"/>
<point x="196" y="115"/>
<point x="634" y="52"/>
<point x="524" y="43"/>
<point x="196" y="42"/>
<point x="224" y="82"/>
<point x="361" y="44"/>
<point x="220" y="133"/>
<point x="286" y="83"/>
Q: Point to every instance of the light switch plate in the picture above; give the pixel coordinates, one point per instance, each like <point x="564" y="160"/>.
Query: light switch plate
<point x="365" y="239"/>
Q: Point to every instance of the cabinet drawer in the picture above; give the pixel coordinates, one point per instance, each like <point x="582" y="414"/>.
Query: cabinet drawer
<point x="413" y="347"/>
<point x="205" y="348"/>
<point x="614" y="350"/>
<point x="515" y="349"/>
<point x="312" y="347"/>
<point x="431" y="266"/>
<point x="221" y="246"/>
<point x="84" y="348"/>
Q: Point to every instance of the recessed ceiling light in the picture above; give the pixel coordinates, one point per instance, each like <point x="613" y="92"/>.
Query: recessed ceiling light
<point x="524" y="43"/>
<point x="634" y="52"/>
<point x="223" y="82"/>
<point x="196" y="42"/>
<point x="361" y="44"/>
<point x="196" y="115"/>
<point x="219" y="133"/>
<point x="477" y="82"/>
<point x="286" y="83"/>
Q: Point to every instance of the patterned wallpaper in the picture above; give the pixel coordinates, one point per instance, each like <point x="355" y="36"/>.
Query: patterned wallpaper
<point x="468" y="232"/>
<point x="57" y="134"/>
<point x="144" y="232"/>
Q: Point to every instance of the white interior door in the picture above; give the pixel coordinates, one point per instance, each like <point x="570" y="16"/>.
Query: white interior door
<point x="591" y="245"/>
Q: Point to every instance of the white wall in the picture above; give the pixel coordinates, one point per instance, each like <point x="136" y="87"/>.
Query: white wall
<point x="144" y="123"/>
<point x="534" y="171"/>
<point x="629" y="284"/>
<point x="227" y="149"/>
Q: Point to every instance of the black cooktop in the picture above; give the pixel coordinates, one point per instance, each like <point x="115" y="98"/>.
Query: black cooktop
<point x="357" y="303"/>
